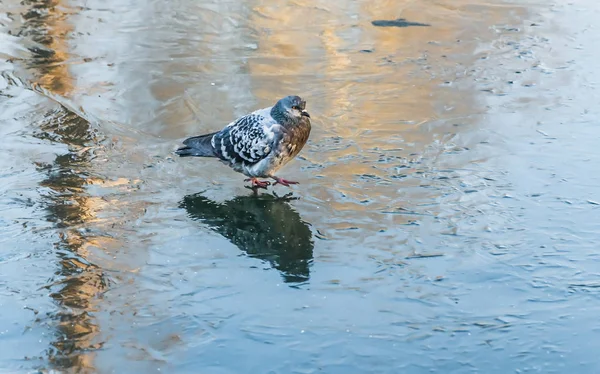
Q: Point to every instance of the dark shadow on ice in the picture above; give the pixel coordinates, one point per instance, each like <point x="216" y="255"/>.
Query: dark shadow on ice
<point x="399" y="22"/>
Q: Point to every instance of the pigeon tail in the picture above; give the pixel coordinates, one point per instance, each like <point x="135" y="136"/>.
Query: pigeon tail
<point x="198" y="146"/>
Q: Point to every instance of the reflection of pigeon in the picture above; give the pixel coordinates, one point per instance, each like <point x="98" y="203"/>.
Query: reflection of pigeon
<point x="264" y="227"/>
<point x="259" y="143"/>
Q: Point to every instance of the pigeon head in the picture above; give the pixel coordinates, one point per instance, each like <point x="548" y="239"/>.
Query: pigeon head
<point x="290" y="110"/>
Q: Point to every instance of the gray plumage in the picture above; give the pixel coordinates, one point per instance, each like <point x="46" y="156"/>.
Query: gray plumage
<point x="259" y="143"/>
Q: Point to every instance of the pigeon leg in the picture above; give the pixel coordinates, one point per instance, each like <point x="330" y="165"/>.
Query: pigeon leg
<point x="258" y="184"/>
<point x="283" y="182"/>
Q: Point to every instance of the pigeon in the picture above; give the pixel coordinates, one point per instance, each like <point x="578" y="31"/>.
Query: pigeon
<point x="257" y="144"/>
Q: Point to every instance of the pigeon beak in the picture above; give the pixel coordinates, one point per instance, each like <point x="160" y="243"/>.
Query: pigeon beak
<point x="305" y="113"/>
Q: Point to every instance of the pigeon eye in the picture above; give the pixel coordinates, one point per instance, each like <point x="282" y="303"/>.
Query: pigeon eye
<point x="296" y="107"/>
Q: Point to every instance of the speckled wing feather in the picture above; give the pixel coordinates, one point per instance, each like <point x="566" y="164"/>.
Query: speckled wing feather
<point x="246" y="141"/>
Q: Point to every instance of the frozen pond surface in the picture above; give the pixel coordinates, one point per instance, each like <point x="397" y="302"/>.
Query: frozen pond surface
<point x="447" y="218"/>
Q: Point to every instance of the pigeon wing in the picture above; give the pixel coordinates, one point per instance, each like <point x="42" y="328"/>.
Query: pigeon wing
<point x="246" y="141"/>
